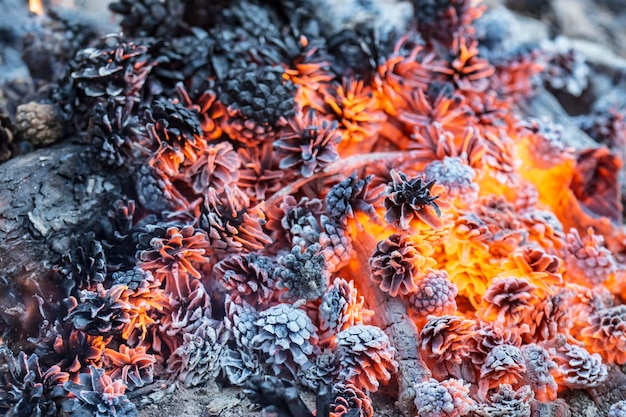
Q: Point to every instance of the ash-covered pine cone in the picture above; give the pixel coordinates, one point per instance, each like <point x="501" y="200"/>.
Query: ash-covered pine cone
<point x="155" y="18"/>
<point x="336" y="244"/>
<point x="577" y="368"/>
<point x="287" y="337"/>
<point x="231" y="223"/>
<point x="348" y="400"/>
<point x="156" y="193"/>
<point x="408" y="199"/>
<point x="394" y="265"/>
<point x="249" y="276"/>
<point x="618" y="409"/>
<point x="7" y="133"/>
<point x="586" y="258"/>
<point x="259" y="102"/>
<point x="134" y="367"/>
<point x="439" y="20"/>
<point x="349" y="196"/>
<point x="176" y="130"/>
<point x="38" y="123"/>
<point x="25" y="390"/>
<point x="323" y="371"/>
<point x="507" y="402"/>
<point x="240" y="320"/>
<point x="456" y="177"/>
<point x="365" y="356"/>
<point x="503" y="365"/>
<point x="101" y="312"/>
<point x="567" y="68"/>
<point x="84" y="266"/>
<point x="308" y="144"/>
<point x="254" y="20"/>
<point x="115" y="68"/>
<point x="341" y="307"/>
<point x="110" y="131"/>
<point x="449" y="398"/>
<point x="95" y="394"/>
<point x="217" y="166"/>
<point x="240" y="364"/>
<point x="303" y="225"/>
<point x="198" y="358"/>
<point x="539" y="372"/>
<point x="303" y="273"/>
<point x="435" y="294"/>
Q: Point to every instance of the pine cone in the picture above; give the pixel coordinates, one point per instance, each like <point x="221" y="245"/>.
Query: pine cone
<point x="84" y="266"/>
<point x="408" y="199"/>
<point x="506" y="402"/>
<point x="154" y="18"/>
<point x="449" y="398"/>
<point x="435" y="295"/>
<point x="198" y="359"/>
<point x="366" y="356"/>
<point x="308" y="144"/>
<point x="177" y="132"/>
<point x="95" y="394"/>
<point x="101" y="312"/>
<point x="577" y="368"/>
<point x="258" y="101"/>
<point x="303" y="273"/>
<point x="287" y="336"/>
<point x="39" y="124"/>
<point x="248" y="276"/>
<point x="25" y="390"/>
<point x="349" y="196"/>
<point x="110" y="129"/>
<point x="7" y="133"/>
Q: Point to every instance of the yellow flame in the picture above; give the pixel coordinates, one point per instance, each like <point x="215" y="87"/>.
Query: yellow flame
<point x="35" y="6"/>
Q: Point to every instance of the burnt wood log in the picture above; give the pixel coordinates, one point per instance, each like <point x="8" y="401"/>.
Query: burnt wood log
<point x="47" y="198"/>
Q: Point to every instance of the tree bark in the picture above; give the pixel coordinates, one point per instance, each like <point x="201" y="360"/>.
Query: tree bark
<point x="47" y="197"/>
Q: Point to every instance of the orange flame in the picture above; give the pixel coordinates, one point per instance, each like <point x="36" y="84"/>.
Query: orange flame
<point x="36" y="7"/>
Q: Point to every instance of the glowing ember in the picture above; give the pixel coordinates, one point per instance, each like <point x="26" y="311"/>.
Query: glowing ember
<point x="36" y="7"/>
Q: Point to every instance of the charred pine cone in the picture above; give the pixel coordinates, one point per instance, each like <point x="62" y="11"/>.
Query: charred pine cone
<point x="176" y="131"/>
<point x="249" y="276"/>
<point x="350" y="196"/>
<point x="110" y="131"/>
<point x="308" y="144"/>
<point x="258" y="101"/>
<point x="7" y="133"/>
<point x="408" y="199"/>
<point x="277" y="396"/>
<point x="84" y="266"/>
<point x="287" y="337"/>
<point x="27" y="391"/>
<point x="156" y="18"/>
<point x="101" y="312"/>
<point x="303" y="273"/>
<point x="95" y="394"/>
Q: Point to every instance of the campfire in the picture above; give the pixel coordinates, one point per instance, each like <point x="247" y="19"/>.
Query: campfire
<point x="240" y="193"/>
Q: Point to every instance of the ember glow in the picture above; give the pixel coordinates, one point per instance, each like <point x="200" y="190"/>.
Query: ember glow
<point x="345" y="221"/>
<point x="36" y="7"/>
